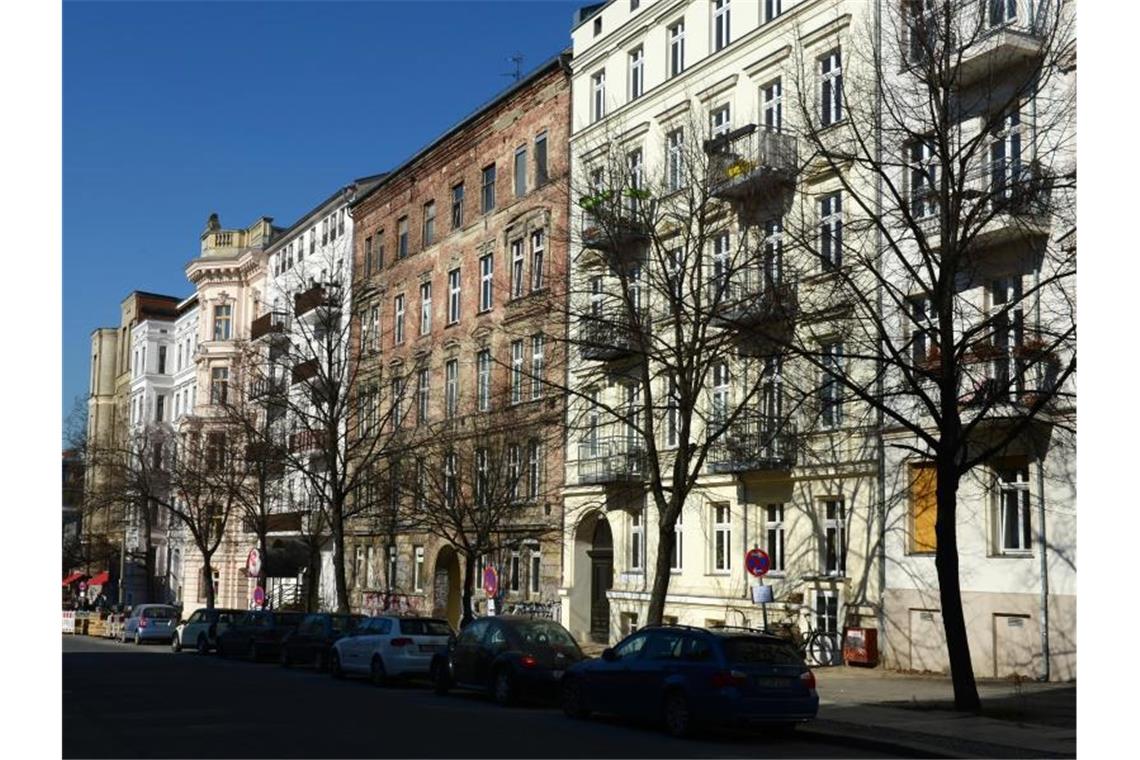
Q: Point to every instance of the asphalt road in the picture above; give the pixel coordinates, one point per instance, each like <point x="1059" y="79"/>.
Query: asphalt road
<point x="127" y="701"/>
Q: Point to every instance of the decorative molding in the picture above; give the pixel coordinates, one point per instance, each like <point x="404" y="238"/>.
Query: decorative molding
<point x="820" y="33"/>
<point x="672" y="112"/>
<point x="717" y="89"/>
<point x="760" y="69"/>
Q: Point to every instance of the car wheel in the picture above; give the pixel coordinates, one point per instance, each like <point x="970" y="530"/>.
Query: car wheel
<point x="573" y="700"/>
<point x="376" y="671"/>
<point x="441" y="681"/>
<point x="175" y="644"/>
<point x="138" y="639"/>
<point x="285" y="662"/>
<point x="677" y="716"/>
<point x="334" y="666"/>
<point x="203" y="646"/>
<point x="503" y="687"/>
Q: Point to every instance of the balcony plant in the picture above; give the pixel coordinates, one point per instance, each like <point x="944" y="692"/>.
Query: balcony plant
<point x="739" y="168"/>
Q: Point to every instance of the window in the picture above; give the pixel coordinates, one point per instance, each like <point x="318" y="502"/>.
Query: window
<point x="672" y="405"/>
<point x="1008" y="325"/>
<point x="483" y="379"/>
<point x="831" y="231"/>
<point x="398" y="328"/>
<point x="488" y="189"/>
<point x="773" y="253"/>
<point x="162" y="360"/>
<point x="537" y="260"/>
<point x="372" y="580"/>
<point x="922" y="30"/>
<point x="537" y="364"/>
<point x="720" y="121"/>
<point x="368" y="256"/>
<point x="514" y="472"/>
<point x="1001" y="12"/>
<point x="541" y="171"/>
<point x="676" y="48"/>
<point x="831" y="89"/>
<point x="450" y="486"/>
<point x="453" y="296"/>
<point x="517" y="255"/>
<point x="486" y="282"/>
<point x="535" y="570"/>
<point x="457" y="206"/>
<point x="1005" y="157"/>
<point x="826" y="612"/>
<point x="636" y="72"/>
<point x="429" y="223"/>
<point x="423" y="391"/>
<point x="371" y="332"/>
<point x="772" y="99"/>
<point x="633" y="5"/>
<point x="772" y="9"/>
<point x="378" y="258"/>
<point x="451" y="387"/>
<point x="598" y="88"/>
<point x="325" y="231"/>
<point x="1014" y="536"/>
<point x="721" y="26"/>
<point x="534" y="470"/>
<point x="720" y="261"/>
<point x="482" y="477"/>
<point x="312" y="239"/>
<point x="222" y="314"/>
<point x="636" y="542"/>
<point x="359" y="569"/>
<point x="514" y="572"/>
<point x="516" y="370"/>
<point x="677" y="557"/>
<point x="425" y="308"/>
<point x="520" y="171"/>
<point x="397" y="401"/>
<point x="923" y="507"/>
<point x="215" y="459"/>
<point x="418" y="569"/>
<point x="597" y="26"/>
<point x="923" y="171"/>
<point x="636" y="166"/>
<point x="674" y="159"/>
<point x="402" y="237"/>
<point x="722" y="538"/>
<point x="774" y="530"/>
<point x="159" y="407"/>
<point x="720" y="396"/>
<point x="830" y="391"/>
<point x="219" y="384"/>
<point x="834" y="538"/>
<point x="924" y="336"/>
<point x="393" y="566"/>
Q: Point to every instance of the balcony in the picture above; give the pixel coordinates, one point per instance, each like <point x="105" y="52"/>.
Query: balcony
<point x="750" y="297"/>
<point x="996" y="45"/>
<point x="318" y="300"/>
<point x="271" y="388"/>
<point x="750" y="162"/>
<point x="616" y="459"/>
<point x="604" y="339"/>
<point x="615" y="225"/>
<point x="754" y="444"/>
<point x="306" y="440"/>
<point x="271" y="325"/>
<point x="304" y="371"/>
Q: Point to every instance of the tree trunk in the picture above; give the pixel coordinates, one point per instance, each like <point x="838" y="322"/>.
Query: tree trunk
<point x="338" y="563"/>
<point x="208" y="576"/>
<point x="950" y="591"/>
<point x="263" y="547"/>
<point x="312" y="593"/>
<point x="468" y="589"/>
<point x="666" y="536"/>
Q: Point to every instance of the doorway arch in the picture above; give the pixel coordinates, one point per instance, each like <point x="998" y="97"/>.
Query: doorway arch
<point x="446" y="586"/>
<point x="601" y="554"/>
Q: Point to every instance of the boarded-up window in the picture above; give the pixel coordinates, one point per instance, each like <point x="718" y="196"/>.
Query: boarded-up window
<point x="923" y="507"/>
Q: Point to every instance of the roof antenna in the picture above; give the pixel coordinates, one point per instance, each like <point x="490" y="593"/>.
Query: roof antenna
<point x="517" y="58"/>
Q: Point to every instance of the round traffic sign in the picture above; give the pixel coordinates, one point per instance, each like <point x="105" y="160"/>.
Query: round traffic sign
<point x="490" y="581"/>
<point x="258" y="596"/>
<point x="253" y="563"/>
<point x="756" y="562"/>
<point x="82" y="585"/>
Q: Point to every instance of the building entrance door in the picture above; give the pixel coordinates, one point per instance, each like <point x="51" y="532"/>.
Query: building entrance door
<point x="601" y="580"/>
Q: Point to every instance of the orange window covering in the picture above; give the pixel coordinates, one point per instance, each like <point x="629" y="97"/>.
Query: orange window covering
<point x="923" y="507"/>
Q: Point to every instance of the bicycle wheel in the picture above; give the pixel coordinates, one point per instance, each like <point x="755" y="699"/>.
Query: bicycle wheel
<point x="822" y="649"/>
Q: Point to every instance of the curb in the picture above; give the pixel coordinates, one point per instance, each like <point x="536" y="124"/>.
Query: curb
<point x="834" y="732"/>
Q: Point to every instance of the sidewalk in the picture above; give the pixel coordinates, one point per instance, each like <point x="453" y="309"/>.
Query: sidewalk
<point x="913" y="714"/>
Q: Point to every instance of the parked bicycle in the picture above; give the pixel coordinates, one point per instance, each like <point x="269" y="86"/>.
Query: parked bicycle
<point x="818" y="648"/>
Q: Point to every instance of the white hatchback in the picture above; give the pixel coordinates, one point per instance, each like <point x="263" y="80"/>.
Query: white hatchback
<point x="388" y="646"/>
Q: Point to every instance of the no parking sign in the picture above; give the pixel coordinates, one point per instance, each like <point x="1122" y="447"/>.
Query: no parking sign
<point x="757" y="563"/>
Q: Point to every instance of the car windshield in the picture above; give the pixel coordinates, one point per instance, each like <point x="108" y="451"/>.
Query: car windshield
<point x="342" y="623"/>
<point x="419" y="627"/>
<point x="289" y="618"/>
<point x="752" y="650"/>
<point x="544" y="633"/>
<point x="159" y="613"/>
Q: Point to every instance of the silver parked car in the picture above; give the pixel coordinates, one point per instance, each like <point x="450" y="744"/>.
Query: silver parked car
<point x="150" y="622"/>
<point x="389" y="646"/>
<point x="200" y="631"/>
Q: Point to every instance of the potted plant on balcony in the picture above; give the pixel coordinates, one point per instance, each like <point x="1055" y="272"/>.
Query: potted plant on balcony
<point x="1034" y="349"/>
<point x="739" y="168"/>
<point x="933" y="359"/>
<point x="984" y="351"/>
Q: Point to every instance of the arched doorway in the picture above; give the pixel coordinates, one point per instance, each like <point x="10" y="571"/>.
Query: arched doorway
<point x="601" y="555"/>
<point x="446" y="600"/>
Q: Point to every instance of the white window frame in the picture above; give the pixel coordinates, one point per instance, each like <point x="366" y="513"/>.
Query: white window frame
<point x="674" y="159"/>
<point x="418" y="568"/>
<point x="483" y="379"/>
<point x="772" y="9"/>
<point x="454" y="286"/>
<point x="636" y="542"/>
<point x="398" y="309"/>
<point x="721" y="513"/>
<point x="922" y="178"/>
<point x="537" y="260"/>
<point x="425" y="308"/>
<point x="774" y="534"/>
<point x="516" y="371"/>
<point x="1014" y="503"/>
<point x="534" y="470"/>
<point x="721" y="394"/>
<point x="451" y="387"/>
<point x="834" y="538"/>
<point x="537" y="365"/>
<point x="637" y="72"/>
<point x="677" y="558"/>
<point x="772" y="105"/>
<point x="831" y="231"/>
<point x="486" y="282"/>
<point x="831" y="390"/>
<point x="429" y="224"/>
<point x="423" y="394"/>
<point x="534" y="572"/>
<point x="519" y="168"/>
<point x="672" y="407"/>
<point x="722" y="25"/>
<point x="514" y="472"/>
<point x="676" y="48"/>
<point x="518" y="256"/>
<point x="831" y="87"/>
<point x="393" y="566"/>
<point x="223" y="322"/>
<point x="720" y="120"/>
<point x="598" y="96"/>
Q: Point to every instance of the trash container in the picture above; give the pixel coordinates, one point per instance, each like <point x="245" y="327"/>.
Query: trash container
<point x="860" y="646"/>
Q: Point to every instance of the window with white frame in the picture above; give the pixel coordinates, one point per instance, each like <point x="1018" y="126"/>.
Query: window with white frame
<point x="1006" y="173"/>
<point x="537" y="260"/>
<point x="398" y="326"/>
<point x="453" y="296"/>
<point x="402" y="237"/>
<point x="774" y="536"/>
<point x="514" y="472"/>
<point x="517" y="261"/>
<point x="325" y="231"/>
<point x="720" y="395"/>
<point x="535" y="573"/>
<point x="677" y="557"/>
<point x="516" y="370"/>
<point x="374" y="328"/>
<point x="1000" y="12"/>
<point x="826" y="612"/>
<point x="450" y="484"/>
<point x="674" y="159"/>
<point x="720" y="260"/>
<point x="773" y="253"/>
<point x="1008" y="325"/>
<point x="520" y="171"/>
<point x="429" y="224"/>
<point x="834" y="537"/>
<point x="722" y="538"/>
<point x="486" y="282"/>
<point x="360" y="570"/>
<point x="722" y="33"/>
<point x="534" y="470"/>
<point x="223" y="322"/>
<point x="676" y="48"/>
<point x="451" y="387"/>
<point x="830" y="390"/>
<point x="923" y="175"/>
<point x="1013" y="516"/>
<point x="537" y="364"/>
<point x="397" y="386"/>
<point x="219" y="384"/>
<point x="772" y="9"/>
<point x="425" y="308"/>
<point x="371" y="567"/>
<point x="720" y="121"/>
<point x="635" y="164"/>
<point x="831" y="231"/>
<point x="393" y="566"/>
<point x="418" y="569"/>
<point x="772" y="105"/>
<point x="636" y="542"/>
<point x="598" y="88"/>
<point x="482" y="476"/>
<point x="831" y="88"/>
<point x="483" y="379"/>
<point x="423" y="392"/>
<point x="636" y="72"/>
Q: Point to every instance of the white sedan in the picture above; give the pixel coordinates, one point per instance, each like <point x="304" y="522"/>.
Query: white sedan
<point x="388" y="646"/>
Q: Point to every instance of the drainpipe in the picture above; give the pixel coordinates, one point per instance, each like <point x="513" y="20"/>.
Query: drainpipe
<point x="880" y="464"/>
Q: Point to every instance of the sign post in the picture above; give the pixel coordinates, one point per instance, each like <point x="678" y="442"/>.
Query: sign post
<point x="491" y="587"/>
<point x="757" y="563"/>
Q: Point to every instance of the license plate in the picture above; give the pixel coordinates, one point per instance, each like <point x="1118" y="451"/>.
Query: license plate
<point x="431" y="647"/>
<point x="557" y="674"/>
<point x="773" y="683"/>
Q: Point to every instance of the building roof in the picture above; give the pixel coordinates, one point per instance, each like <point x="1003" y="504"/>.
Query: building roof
<point x="559" y="61"/>
<point x="362" y="185"/>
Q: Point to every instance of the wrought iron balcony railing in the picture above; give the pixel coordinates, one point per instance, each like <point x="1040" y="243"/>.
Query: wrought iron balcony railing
<point x="750" y="296"/>
<point x="271" y="324"/>
<point x="318" y="296"/>
<point x="754" y="443"/>
<point x="750" y="162"/>
<point x="607" y="339"/>
<point x="613" y="459"/>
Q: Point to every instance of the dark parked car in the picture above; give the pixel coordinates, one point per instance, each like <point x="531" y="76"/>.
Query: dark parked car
<point x="508" y="657"/>
<point x="311" y="642"/>
<point x="688" y="677"/>
<point x="258" y="634"/>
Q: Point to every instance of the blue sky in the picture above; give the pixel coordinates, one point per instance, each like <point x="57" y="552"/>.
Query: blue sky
<point x="172" y="111"/>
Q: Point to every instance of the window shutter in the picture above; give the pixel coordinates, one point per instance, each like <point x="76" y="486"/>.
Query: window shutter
<point x="923" y="507"/>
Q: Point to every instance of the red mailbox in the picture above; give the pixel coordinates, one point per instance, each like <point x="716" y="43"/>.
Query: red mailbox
<point x="860" y="646"/>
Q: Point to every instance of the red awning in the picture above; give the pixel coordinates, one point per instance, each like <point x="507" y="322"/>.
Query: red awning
<point x="73" y="578"/>
<point x="100" y="579"/>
